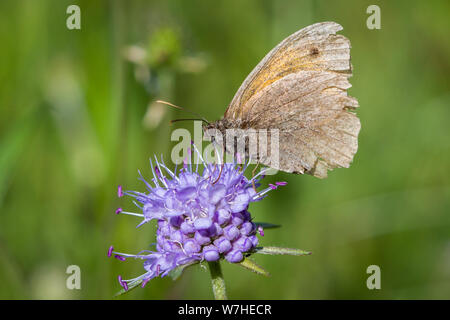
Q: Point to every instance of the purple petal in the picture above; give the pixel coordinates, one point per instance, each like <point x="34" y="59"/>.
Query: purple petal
<point x="237" y="220"/>
<point x="223" y="244"/>
<point x="202" y="223"/>
<point x="240" y="202"/>
<point x="211" y="255"/>
<point x="234" y="256"/>
<point x="223" y="216"/>
<point x="247" y="228"/>
<point x="231" y="232"/>
<point x="243" y="244"/>
<point x="254" y="239"/>
<point x="201" y="239"/>
<point x="186" y="193"/>
<point x="217" y="193"/>
<point x="191" y="246"/>
<point x="187" y="228"/>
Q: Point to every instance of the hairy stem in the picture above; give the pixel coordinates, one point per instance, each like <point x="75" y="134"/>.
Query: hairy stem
<point x="218" y="283"/>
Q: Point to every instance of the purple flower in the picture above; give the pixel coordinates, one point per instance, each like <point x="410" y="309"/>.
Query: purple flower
<point x="200" y="216"/>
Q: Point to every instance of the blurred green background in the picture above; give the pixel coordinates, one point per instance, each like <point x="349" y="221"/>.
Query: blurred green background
<point x="77" y="119"/>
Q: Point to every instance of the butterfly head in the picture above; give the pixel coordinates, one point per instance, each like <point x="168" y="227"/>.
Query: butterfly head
<point x="210" y="129"/>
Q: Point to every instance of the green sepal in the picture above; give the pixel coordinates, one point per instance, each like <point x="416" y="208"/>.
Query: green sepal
<point x="282" y="251"/>
<point x="251" y="265"/>
<point x="176" y="273"/>
<point x="266" y="225"/>
<point x="131" y="286"/>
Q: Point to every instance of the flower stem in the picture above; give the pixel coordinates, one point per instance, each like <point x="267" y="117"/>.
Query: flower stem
<point x="218" y="283"/>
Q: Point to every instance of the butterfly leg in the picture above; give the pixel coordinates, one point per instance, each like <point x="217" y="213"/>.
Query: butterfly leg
<point x="220" y="173"/>
<point x="253" y="174"/>
<point x="215" y="164"/>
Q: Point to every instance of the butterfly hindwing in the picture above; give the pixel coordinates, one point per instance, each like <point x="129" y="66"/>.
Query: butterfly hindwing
<point x="311" y="110"/>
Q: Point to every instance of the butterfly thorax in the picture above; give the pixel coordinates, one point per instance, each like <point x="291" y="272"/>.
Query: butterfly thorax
<point x="228" y="129"/>
<point x="222" y="125"/>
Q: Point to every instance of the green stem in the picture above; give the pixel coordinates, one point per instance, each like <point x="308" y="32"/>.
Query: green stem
<point x="218" y="283"/>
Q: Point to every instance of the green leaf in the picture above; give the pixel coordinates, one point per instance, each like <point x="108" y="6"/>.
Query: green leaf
<point x="251" y="265"/>
<point x="12" y="147"/>
<point x="131" y="286"/>
<point x="279" y="250"/>
<point x="265" y="225"/>
<point x="176" y="273"/>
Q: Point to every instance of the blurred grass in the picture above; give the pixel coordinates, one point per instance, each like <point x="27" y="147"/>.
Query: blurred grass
<point x="71" y="129"/>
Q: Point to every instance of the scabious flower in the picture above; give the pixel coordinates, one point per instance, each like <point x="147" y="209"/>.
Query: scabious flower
<point x="200" y="216"/>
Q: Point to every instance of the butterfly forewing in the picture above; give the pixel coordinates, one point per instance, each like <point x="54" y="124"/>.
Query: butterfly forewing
<point x="300" y="88"/>
<point x="316" y="47"/>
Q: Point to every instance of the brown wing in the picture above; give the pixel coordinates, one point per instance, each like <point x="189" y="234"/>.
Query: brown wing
<point x="310" y="110"/>
<point x="316" y="47"/>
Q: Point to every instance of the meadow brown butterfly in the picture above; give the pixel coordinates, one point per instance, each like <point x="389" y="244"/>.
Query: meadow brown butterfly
<point x="300" y="88"/>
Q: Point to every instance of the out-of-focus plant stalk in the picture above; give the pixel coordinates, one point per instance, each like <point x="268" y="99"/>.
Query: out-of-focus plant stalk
<point x="218" y="283"/>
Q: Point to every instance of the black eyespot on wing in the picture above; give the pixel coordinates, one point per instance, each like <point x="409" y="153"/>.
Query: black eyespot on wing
<point x="314" y="51"/>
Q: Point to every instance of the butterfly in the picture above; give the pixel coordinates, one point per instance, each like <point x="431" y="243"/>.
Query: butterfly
<point x="300" y="89"/>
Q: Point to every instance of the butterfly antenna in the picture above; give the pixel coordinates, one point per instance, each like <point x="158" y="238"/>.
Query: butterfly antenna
<point x="188" y="119"/>
<point x="180" y="108"/>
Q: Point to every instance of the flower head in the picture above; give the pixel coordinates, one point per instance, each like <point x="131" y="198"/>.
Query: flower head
<point x="200" y="216"/>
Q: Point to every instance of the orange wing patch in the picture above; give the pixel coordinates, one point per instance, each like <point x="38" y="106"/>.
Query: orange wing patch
<point x="314" y="48"/>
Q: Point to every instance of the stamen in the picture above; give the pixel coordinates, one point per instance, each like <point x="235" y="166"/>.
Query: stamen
<point x="201" y="158"/>
<point x="246" y="165"/>
<point x="110" y="251"/>
<point x="127" y="255"/>
<point x="257" y="175"/>
<point x="140" y="195"/>
<point x="190" y="159"/>
<point x="162" y="164"/>
<point x="140" y="215"/>
<point x="137" y="205"/>
<point x="160" y="175"/>
<point x="155" y="180"/>
<point x="281" y="183"/>
<point x="196" y="152"/>
<point x="261" y="193"/>
<point x="261" y="231"/>
<point x="143" y="222"/>
<point x="118" y="210"/>
<point x="144" y="282"/>
<point x="119" y="191"/>
<point x="148" y="185"/>
<point x="122" y="283"/>
<point x="180" y="244"/>
<point x="119" y="257"/>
